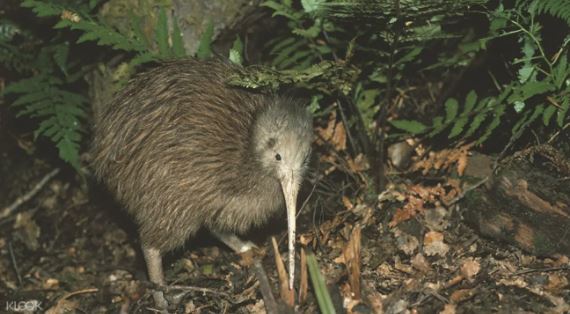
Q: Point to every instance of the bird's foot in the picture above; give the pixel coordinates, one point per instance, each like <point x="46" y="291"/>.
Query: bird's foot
<point x="234" y="242"/>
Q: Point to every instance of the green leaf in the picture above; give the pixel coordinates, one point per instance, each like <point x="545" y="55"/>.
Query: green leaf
<point x="310" y="6"/>
<point x="295" y="58"/>
<point x="280" y="9"/>
<point x="523" y="123"/>
<point x="282" y="44"/>
<point x="321" y="291"/>
<point x="411" y="55"/>
<point x="437" y="125"/>
<point x="177" y="41"/>
<point x="31" y="97"/>
<point x="547" y="115"/>
<point x="314" y="106"/>
<point x="69" y="152"/>
<point x="236" y="52"/>
<point x="451" y="106"/>
<point x="470" y="101"/>
<point x="564" y="110"/>
<point x="458" y="127"/>
<point x="286" y="52"/>
<point x="60" y="56"/>
<point x="476" y="123"/>
<point x="410" y="126"/>
<point x="560" y="71"/>
<point x="311" y="32"/>
<point x="366" y="103"/>
<point x="161" y="33"/>
<point x="519" y="106"/>
<point x="528" y="90"/>
<point x="205" y="47"/>
<point x="499" y="112"/>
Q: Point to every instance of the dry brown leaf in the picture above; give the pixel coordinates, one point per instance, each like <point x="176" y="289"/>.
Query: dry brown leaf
<point x="406" y="242"/>
<point x="556" y="283"/>
<point x="434" y="245"/>
<point x="453" y="281"/>
<point x="339" y="137"/>
<point x="445" y="159"/>
<point x="358" y="164"/>
<point x="288" y="296"/>
<point x="420" y="263"/>
<point x="351" y="253"/>
<point x="51" y="283"/>
<point x="436" y="218"/>
<point x="375" y="301"/>
<point x="27" y="230"/>
<point x="417" y="197"/>
<point x="405" y="268"/>
<point x="304" y="285"/>
<point x="448" y="309"/>
<point x="470" y="268"/>
<point x="334" y="133"/>
<point x="409" y="210"/>
<point x="347" y="203"/>
<point x="461" y="295"/>
<point x="327" y="133"/>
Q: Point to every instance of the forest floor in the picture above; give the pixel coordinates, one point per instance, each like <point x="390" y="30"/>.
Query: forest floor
<point x="72" y="249"/>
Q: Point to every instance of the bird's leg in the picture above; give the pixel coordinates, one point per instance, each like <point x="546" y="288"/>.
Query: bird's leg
<point x="233" y="241"/>
<point x="153" y="260"/>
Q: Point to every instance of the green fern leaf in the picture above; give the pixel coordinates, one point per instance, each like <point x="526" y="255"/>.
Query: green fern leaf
<point x="61" y="112"/>
<point x="476" y="123"/>
<point x="410" y="126"/>
<point x="177" y="40"/>
<point x="236" y="52"/>
<point x="565" y="104"/>
<point x="470" y="101"/>
<point x="547" y="115"/>
<point x="205" y="47"/>
<point x="438" y="126"/>
<point x="499" y="112"/>
<point x="451" y="108"/>
<point x="161" y="33"/>
<point x="458" y="127"/>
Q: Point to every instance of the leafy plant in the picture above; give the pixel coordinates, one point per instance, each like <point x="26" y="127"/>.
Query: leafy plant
<point x="540" y="90"/>
<point x="321" y="291"/>
<point x="51" y="95"/>
<point x="60" y="111"/>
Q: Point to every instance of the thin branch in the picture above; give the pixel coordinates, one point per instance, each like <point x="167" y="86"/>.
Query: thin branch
<point x="7" y="211"/>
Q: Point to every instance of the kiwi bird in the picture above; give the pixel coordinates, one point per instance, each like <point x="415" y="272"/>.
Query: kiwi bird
<point x="182" y="150"/>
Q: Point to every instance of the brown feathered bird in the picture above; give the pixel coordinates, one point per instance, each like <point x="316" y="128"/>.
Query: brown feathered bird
<point x="182" y="150"/>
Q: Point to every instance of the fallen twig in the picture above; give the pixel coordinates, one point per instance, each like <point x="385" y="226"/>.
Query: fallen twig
<point x="268" y="298"/>
<point x="7" y="211"/>
<point x="14" y="263"/>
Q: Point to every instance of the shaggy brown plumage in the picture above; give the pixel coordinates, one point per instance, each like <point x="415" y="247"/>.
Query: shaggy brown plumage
<point x="180" y="149"/>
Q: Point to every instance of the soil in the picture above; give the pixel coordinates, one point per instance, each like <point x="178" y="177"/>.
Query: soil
<point x="71" y="248"/>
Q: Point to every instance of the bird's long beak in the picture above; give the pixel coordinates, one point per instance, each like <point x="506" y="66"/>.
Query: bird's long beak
<point x="290" y="188"/>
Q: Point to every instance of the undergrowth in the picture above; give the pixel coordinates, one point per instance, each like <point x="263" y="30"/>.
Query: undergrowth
<point x="52" y="88"/>
<point x="353" y="56"/>
<point x="391" y="43"/>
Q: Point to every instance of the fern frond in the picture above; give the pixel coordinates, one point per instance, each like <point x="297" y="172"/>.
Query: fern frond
<point x="61" y="112"/>
<point x="556" y="8"/>
<point x="103" y="35"/>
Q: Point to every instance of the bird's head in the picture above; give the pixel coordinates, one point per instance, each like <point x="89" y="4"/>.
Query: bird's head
<point x="282" y="137"/>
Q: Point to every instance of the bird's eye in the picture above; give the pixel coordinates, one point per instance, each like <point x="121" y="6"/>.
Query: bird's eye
<point x="277" y="157"/>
